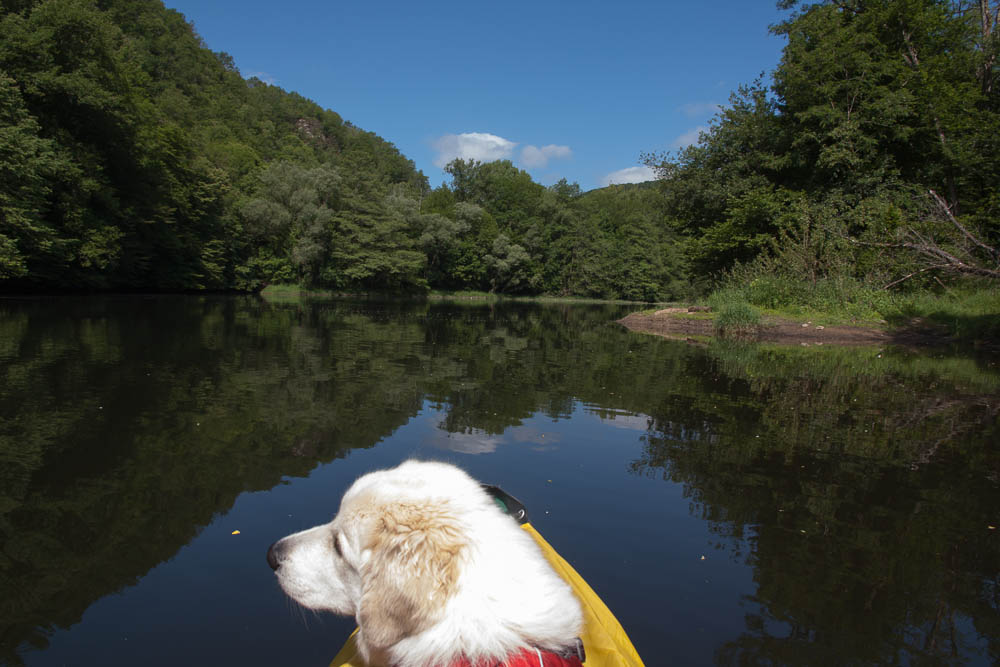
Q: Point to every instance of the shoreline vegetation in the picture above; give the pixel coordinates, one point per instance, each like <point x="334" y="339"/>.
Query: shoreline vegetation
<point x="857" y="184"/>
<point x="970" y="322"/>
<point x="285" y="291"/>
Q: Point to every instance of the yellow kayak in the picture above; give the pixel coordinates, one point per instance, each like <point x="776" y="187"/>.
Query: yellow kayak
<point x="604" y="639"/>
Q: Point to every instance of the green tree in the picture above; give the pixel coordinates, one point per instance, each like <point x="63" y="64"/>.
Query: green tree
<point x="508" y="266"/>
<point x="290" y="219"/>
<point x="28" y="164"/>
<point x="715" y="189"/>
<point x="872" y="104"/>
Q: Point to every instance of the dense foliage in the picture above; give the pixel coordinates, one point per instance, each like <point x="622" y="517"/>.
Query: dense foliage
<point x="500" y="231"/>
<point x="134" y="157"/>
<point x="871" y="159"/>
<point x="131" y="156"/>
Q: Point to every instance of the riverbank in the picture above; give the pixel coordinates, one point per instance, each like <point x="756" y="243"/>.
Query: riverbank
<point x="679" y="323"/>
<point x="682" y="323"/>
<point x="295" y="291"/>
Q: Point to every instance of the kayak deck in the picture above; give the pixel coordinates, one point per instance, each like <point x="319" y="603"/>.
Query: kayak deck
<point x="604" y="639"/>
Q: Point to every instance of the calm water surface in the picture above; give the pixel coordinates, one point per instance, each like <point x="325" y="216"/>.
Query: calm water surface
<point x="732" y="505"/>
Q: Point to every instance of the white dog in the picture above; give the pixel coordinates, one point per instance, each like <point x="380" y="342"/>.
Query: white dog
<point x="433" y="571"/>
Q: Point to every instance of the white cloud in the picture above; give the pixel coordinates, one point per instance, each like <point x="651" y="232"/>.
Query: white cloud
<point x="631" y="422"/>
<point x="474" y="442"/>
<point x="700" y="109"/>
<point x="533" y="157"/>
<point x="689" y="137"/>
<point x="629" y="175"/>
<point x="265" y="77"/>
<point x="480" y="146"/>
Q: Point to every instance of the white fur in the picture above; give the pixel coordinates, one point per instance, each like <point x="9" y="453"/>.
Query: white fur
<point x="488" y="594"/>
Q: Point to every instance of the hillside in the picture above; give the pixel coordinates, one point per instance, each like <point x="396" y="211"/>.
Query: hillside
<point x="132" y="156"/>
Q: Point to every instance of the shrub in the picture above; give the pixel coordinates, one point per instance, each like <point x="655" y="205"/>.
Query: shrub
<point x="775" y="291"/>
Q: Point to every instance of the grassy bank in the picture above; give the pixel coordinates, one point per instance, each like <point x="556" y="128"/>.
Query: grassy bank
<point x="968" y="315"/>
<point x="971" y="316"/>
<point x="278" y="292"/>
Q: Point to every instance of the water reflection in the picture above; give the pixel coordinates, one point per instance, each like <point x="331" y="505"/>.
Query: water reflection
<point x="128" y="424"/>
<point x="859" y="485"/>
<point x="861" y="491"/>
<point x="477" y="441"/>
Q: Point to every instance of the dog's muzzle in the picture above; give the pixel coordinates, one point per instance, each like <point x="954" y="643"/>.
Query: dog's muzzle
<point x="275" y="555"/>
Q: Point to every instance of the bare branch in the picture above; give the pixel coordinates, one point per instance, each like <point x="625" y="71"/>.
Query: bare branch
<point x="947" y="211"/>
<point x="932" y="251"/>
<point x="910" y="275"/>
<point x="912" y="60"/>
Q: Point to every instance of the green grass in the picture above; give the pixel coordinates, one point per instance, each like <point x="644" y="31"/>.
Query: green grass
<point x="291" y="292"/>
<point x="966" y="315"/>
<point x="278" y="290"/>
<point x="734" y="317"/>
<point x="696" y="316"/>
<point x="839" y="300"/>
<point x="537" y="298"/>
<point x="463" y="294"/>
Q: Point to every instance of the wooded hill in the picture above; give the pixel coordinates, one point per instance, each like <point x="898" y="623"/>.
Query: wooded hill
<point x="130" y="154"/>
<point x="133" y="157"/>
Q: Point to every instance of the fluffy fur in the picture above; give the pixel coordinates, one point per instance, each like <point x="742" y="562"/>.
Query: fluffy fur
<point x="431" y="569"/>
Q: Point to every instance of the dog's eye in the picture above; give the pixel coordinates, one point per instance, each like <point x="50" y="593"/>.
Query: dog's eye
<point x="336" y="544"/>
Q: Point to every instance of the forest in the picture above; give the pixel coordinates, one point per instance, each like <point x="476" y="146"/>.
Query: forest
<point x="869" y="164"/>
<point x="132" y="157"/>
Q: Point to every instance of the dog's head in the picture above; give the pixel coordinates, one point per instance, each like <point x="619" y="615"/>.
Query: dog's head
<point x="392" y="555"/>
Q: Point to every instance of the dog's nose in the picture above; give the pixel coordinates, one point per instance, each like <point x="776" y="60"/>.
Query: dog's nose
<point x="272" y="556"/>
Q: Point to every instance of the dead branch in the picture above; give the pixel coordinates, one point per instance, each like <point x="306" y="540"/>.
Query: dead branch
<point x="930" y="250"/>
<point x="910" y="275"/>
<point x="943" y="206"/>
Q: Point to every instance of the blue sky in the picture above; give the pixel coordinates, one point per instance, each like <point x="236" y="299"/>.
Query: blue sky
<point x="573" y="90"/>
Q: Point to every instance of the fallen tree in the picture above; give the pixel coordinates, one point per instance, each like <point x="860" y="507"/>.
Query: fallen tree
<point x="962" y="253"/>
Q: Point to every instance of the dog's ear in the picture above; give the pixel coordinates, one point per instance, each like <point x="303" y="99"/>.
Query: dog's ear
<point x="411" y="573"/>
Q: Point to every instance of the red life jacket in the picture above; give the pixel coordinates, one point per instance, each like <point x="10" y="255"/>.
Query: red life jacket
<point x="528" y="657"/>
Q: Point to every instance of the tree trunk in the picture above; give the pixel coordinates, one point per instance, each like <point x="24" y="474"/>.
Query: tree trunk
<point x="988" y="24"/>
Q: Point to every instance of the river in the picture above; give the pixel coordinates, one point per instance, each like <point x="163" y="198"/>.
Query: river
<point x="733" y="504"/>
